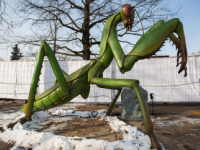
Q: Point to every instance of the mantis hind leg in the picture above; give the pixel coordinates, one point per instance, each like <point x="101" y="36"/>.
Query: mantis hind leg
<point x="133" y="84"/>
<point x="65" y="75"/>
<point x="45" y="50"/>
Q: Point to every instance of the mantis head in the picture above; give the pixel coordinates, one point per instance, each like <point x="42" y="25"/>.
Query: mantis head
<point x="127" y="15"/>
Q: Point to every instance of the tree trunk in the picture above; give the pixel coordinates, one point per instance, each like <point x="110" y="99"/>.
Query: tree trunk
<point x="86" y="32"/>
<point x="54" y="38"/>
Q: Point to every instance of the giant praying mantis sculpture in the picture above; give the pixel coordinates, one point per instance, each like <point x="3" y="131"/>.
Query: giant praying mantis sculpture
<point x="68" y="87"/>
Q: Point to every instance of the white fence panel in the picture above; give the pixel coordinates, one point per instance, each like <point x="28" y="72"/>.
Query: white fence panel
<point x="7" y="79"/>
<point x="156" y="75"/>
<point x="24" y="72"/>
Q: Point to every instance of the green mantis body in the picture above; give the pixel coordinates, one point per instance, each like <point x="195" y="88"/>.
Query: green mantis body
<point x="78" y="83"/>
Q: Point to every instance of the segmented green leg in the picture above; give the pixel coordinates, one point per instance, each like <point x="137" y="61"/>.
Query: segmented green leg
<point x="65" y="75"/>
<point x="159" y="23"/>
<point x="133" y="84"/>
<point x="112" y="104"/>
<point x="44" y="50"/>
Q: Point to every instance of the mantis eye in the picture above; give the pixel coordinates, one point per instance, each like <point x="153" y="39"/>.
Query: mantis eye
<point x="127" y="10"/>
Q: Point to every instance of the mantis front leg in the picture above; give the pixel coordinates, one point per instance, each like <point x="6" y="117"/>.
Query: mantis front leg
<point x="45" y="50"/>
<point x="149" y="44"/>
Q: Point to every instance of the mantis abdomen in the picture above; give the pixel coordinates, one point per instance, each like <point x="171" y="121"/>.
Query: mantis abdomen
<point x="53" y="97"/>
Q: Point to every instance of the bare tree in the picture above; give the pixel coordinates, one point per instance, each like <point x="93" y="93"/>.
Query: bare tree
<point x="3" y="5"/>
<point x="5" y="21"/>
<point x="73" y="27"/>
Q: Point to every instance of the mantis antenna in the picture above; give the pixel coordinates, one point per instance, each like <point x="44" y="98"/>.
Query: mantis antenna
<point x="140" y="21"/>
<point x="138" y="15"/>
<point x="139" y="3"/>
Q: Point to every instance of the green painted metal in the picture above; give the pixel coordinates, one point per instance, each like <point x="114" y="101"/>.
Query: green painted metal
<point x="151" y="44"/>
<point x="78" y="83"/>
<point x="33" y="87"/>
<point x="65" y="75"/>
<point x="105" y="34"/>
<point x="44" y="100"/>
<point x="112" y="104"/>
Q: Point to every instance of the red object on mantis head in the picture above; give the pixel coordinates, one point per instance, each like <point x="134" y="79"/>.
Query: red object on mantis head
<point x="127" y="15"/>
<point x="127" y="10"/>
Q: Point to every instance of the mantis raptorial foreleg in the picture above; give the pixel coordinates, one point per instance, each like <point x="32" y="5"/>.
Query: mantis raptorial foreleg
<point x="149" y="44"/>
<point x="133" y="84"/>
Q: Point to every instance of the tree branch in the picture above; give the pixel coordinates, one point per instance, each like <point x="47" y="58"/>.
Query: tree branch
<point x="43" y="8"/>
<point x="75" y="6"/>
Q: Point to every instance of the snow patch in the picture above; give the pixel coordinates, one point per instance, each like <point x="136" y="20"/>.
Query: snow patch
<point x="25" y="135"/>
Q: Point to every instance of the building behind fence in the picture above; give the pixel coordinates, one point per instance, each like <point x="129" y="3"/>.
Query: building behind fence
<point x="156" y="75"/>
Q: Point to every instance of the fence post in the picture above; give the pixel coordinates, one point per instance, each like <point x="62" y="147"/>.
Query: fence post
<point x="152" y="98"/>
<point x="112" y="77"/>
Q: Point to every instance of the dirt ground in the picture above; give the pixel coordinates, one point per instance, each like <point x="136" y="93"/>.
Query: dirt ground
<point x="183" y="137"/>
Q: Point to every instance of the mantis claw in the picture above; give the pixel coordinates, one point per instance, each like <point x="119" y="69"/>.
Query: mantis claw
<point x="182" y="53"/>
<point x="182" y="50"/>
<point x="178" y="64"/>
<point x="181" y="46"/>
<point x="185" y="75"/>
<point x="181" y="68"/>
